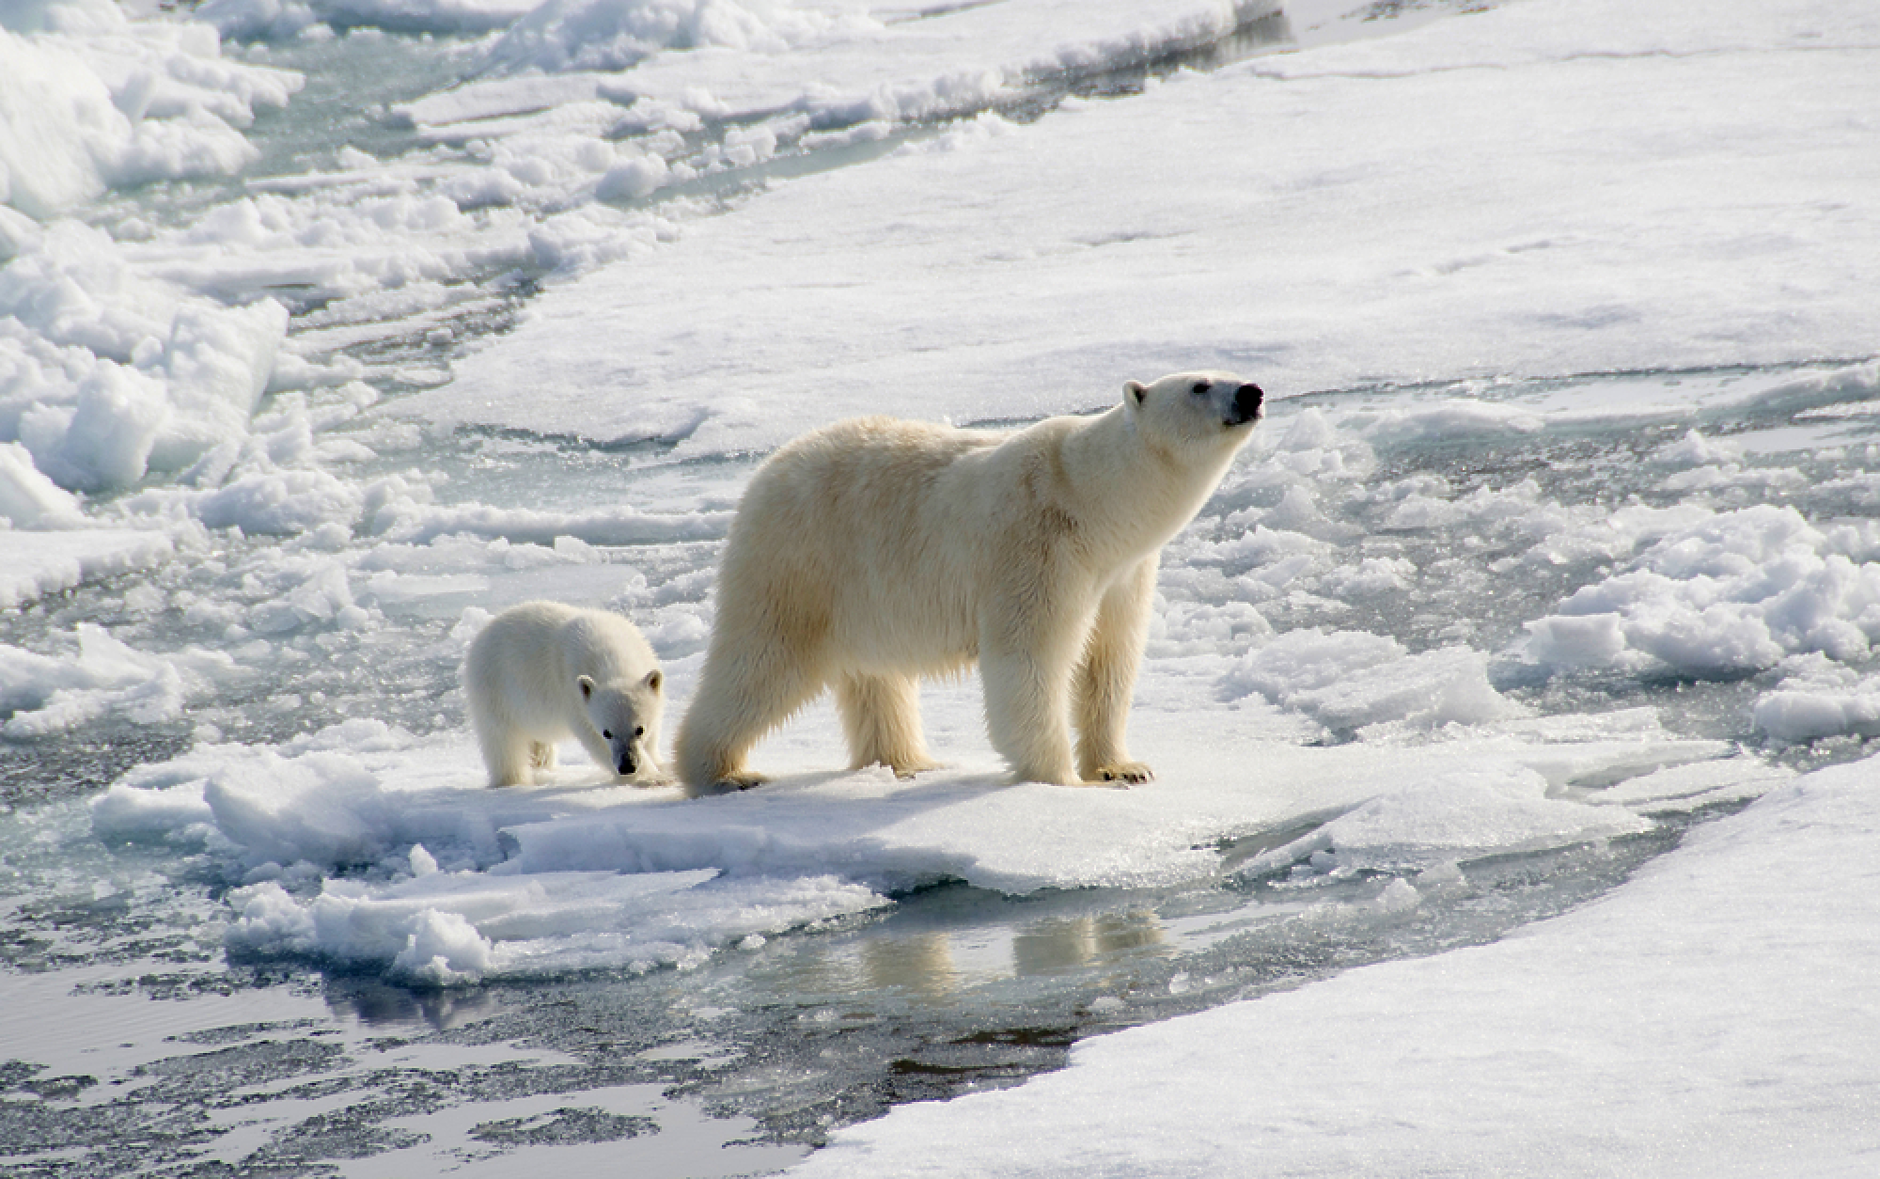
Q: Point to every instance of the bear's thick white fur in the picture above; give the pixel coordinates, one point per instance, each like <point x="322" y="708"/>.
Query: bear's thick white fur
<point x="541" y="670"/>
<point x="876" y="551"/>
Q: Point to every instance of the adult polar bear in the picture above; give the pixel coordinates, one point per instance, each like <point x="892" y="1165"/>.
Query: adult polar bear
<point x="876" y="551"/>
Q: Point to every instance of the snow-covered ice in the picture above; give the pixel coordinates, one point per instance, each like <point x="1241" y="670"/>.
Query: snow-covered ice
<point x="496" y="869"/>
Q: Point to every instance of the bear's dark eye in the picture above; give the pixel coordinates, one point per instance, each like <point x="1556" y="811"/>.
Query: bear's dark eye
<point x="640" y="731"/>
<point x="1201" y="388"/>
<point x="607" y="735"/>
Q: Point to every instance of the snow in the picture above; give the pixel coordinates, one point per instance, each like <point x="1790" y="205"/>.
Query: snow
<point x="1609" y="195"/>
<point x="1707" y="1017"/>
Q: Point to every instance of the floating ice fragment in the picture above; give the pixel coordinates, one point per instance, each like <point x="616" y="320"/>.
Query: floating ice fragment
<point x="1576" y="640"/>
<point x="404" y="518"/>
<point x="1726" y="593"/>
<point x="115" y="372"/>
<point x="218" y="362"/>
<point x="47" y="695"/>
<point x="30" y="500"/>
<point x="1447" y="421"/>
<point x="633" y="179"/>
<point x="118" y="102"/>
<point x="1372" y="576"/>
<point x="1800" y="716"/>
<point x="1819" y="698"/>
<point x="1855" y="383"/>
<point x="1348" y="680"/>
<point x="1399" y="896"/>
<point x="443" y="949"/>
<point x="1695" y="450"/>
<point x="1438" y="820"/>
<point x="1682" y="788"/>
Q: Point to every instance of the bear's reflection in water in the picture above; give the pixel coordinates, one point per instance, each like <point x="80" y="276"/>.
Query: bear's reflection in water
<point x="939" y="966"/>
<point x="1066" y="943"/>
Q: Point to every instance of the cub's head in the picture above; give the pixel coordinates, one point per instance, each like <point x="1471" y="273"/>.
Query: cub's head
<point x="626" y="715"/>
<point x="1207" y="409"/>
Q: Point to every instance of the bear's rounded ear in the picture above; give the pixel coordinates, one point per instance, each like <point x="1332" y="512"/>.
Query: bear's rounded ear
<point x="655" y="681"/>
<point x="587" y="687"/>
<point x="1135" y="391"/>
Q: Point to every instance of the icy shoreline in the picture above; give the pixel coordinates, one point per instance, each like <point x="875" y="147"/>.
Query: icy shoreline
<point x="1707" y="1016"/>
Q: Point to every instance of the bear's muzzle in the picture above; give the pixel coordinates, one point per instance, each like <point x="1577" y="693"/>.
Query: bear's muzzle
<point x="1245" y="406"/>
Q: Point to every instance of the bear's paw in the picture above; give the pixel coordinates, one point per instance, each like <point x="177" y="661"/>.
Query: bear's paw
<point x="734" y="781"/>
<point x="1124" y="772"/>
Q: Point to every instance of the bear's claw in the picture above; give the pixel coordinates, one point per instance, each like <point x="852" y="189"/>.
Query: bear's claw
<point x="740" y="780"/>
<point x="1125" y="771"/>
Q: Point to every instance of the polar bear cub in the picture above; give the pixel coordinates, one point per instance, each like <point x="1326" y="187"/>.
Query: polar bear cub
<point x="875" y="551"/>
<point x="541" y="670"/>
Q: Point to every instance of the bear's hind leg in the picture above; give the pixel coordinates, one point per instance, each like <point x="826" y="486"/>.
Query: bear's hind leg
<point x="748" y="688"/>
<point x="881" y="715"/>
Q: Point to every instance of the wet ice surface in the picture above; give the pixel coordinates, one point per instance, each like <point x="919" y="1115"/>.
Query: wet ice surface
<point x="1445" y="657"/>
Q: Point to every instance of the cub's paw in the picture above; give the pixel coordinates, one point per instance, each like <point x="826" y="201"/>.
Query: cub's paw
<point x="1124" y="772"/>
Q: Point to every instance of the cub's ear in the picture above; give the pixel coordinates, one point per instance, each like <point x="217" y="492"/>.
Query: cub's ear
<point x="1136" y="391"/>
<point x="655" y="681"/>
<point x="587" y="687"/>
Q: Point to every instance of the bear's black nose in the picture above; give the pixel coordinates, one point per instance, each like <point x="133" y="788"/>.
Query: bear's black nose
<point x="1247" y="401"/>
<point x="626" y="764"/>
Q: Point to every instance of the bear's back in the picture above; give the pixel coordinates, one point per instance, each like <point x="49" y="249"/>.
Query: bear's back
<point x="855" y="480"/>
<point x="865" y="533"/>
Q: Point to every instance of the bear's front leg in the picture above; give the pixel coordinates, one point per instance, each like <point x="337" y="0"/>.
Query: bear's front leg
<point x="506" y="753"/>
<point x="652" y="772"/>
<point x="1028" y="650"/>
<point x="1106" y="680"/>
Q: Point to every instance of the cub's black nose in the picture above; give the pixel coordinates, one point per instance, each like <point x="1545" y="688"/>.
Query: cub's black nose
<point x="1247" y="401"/>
